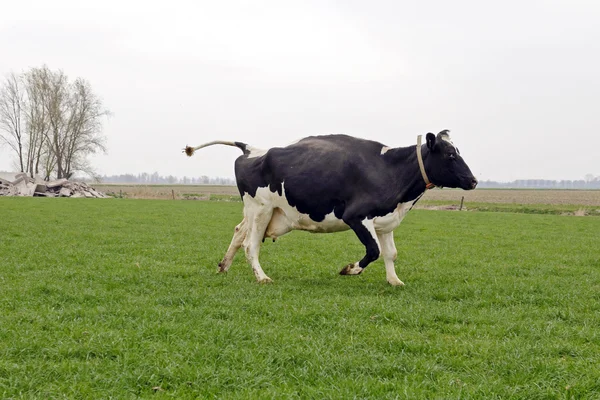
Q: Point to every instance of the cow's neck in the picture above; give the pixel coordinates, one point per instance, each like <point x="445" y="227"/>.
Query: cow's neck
<point x="407" y="175"/>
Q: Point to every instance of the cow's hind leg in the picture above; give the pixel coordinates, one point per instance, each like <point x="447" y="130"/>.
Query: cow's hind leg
<point x="389" y="253"/>
<point x="366" y="234"/>
<point x="236" y="242"/>
<point x="258" y="220"/>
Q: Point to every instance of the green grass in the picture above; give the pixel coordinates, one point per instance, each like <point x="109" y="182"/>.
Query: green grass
<point x="120" y="299"/>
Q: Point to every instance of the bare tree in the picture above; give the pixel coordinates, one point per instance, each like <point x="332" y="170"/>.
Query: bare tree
<point x="82" y="133"/>
<point x="12" y="103"/>
<point x="62" y="122"/>
<point x="36" y="81"/>
<point x="55" y="99"/>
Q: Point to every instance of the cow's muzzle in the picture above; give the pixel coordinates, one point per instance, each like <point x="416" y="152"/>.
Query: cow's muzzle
<point x="469" y="183"/>
<point x="473" y="183"/>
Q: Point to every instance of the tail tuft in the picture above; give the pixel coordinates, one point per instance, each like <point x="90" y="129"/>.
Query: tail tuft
<point x="189" y="151"/>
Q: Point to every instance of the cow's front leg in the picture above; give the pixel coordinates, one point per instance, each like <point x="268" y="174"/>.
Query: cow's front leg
<point x="389" y="253"/>
<point x="236" y="242"/>
<point x="257" y="224"/>
<point x="365" y="231"/>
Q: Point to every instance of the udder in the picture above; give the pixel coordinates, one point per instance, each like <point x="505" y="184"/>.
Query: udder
<point x="279" y="224"/>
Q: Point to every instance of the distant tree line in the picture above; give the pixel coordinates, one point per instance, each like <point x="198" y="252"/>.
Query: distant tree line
<point x="156" y="179"/>
<point x="50" y="123"/>
<point x="590" y="182"/>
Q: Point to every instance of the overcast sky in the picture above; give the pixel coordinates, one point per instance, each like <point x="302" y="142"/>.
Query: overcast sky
<point x="517" y="82"/>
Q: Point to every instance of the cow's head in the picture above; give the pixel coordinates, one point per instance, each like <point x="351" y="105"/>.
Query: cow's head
<point x="445" y="166"/>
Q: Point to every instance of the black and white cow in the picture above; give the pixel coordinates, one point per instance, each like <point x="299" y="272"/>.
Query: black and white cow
<point x="334" y="183"/>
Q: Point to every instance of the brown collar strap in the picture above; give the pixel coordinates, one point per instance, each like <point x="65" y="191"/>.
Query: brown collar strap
<point x="428" y="184"/>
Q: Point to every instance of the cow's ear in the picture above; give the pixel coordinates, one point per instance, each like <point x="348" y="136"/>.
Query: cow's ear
<point x="430" y="141"/>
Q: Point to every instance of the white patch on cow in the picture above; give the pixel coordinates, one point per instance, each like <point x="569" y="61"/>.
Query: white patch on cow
<point x="330" y="224"/>
<point x="446" y="138"/>
<point x="384" y="150"/>
<point x="254" y="152"/>
<point x="391" y="221"/>
<point x="370" y="225"/>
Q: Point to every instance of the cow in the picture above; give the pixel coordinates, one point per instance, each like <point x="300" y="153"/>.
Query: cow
<point x="333" y="183"/>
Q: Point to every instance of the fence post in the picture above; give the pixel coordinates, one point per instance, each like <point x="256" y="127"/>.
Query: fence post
<point x="461" y="203"/>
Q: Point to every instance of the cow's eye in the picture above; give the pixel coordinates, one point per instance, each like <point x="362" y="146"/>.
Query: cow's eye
<point x="451" y="156"/>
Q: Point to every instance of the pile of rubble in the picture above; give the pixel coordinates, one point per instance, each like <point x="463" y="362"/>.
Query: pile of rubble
<point x="22" y="185"/>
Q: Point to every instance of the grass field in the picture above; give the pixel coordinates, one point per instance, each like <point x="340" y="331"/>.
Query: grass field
<point x="119" y="298"/>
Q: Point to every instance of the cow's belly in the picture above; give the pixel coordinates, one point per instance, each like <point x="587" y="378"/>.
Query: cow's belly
<point x="330" y="224"/>
<point x="286" y="218"/>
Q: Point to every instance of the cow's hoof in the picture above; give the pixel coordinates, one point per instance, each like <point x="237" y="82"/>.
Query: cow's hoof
<point x="265" y="280"/>
<point x="222" y="268"/>
<point x="351" y="269"/>
<point x="395" y="282"/>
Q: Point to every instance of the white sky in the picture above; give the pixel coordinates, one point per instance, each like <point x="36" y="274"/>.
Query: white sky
<point x="517" y="82"/>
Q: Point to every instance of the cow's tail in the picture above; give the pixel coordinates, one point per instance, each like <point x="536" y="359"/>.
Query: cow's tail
<point x="189" y="150"/>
